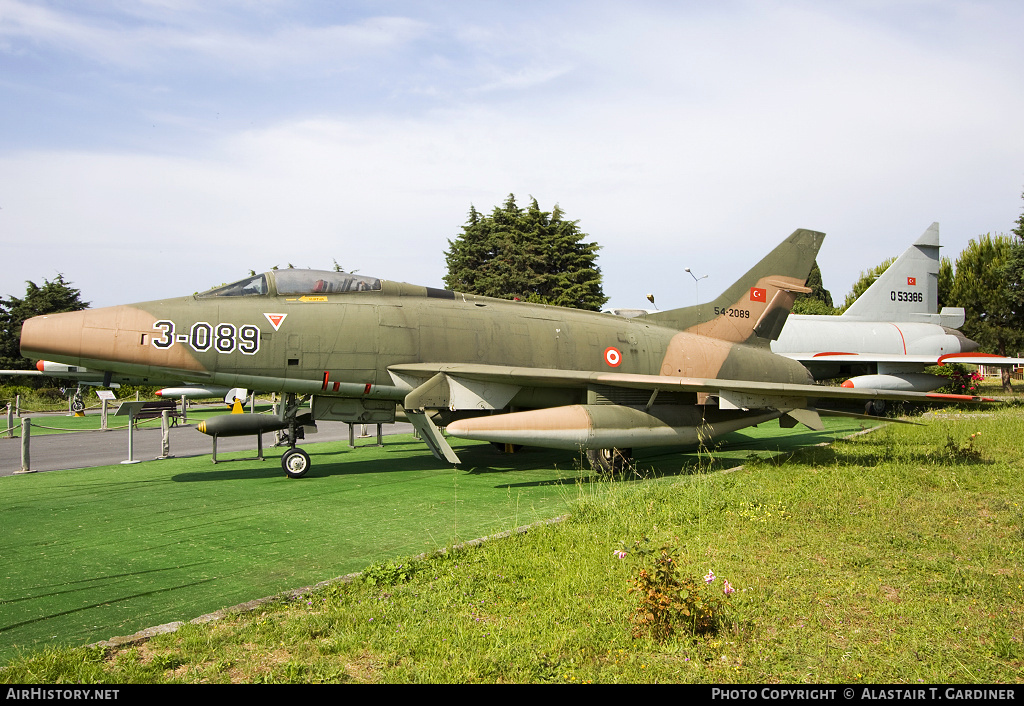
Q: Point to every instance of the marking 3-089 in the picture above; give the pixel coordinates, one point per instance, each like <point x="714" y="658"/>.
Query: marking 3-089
<point x="223" y="338"/>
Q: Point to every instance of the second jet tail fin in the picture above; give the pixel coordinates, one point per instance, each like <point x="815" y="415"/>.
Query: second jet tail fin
<point x="908" y="290"/>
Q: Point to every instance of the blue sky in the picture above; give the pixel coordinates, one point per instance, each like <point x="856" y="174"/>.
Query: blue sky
<point x="155" y="148"/>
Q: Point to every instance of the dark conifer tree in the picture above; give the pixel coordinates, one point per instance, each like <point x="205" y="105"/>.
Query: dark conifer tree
<point x="818" y="300"/>
<point x="526" y="254"/>
<point x="54" y="297"/>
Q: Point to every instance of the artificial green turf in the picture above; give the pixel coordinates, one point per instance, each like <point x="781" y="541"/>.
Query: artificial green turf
<point x="94" y="553"/>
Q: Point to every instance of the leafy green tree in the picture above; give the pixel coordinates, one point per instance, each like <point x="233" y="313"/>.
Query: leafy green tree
<point x="980" y="288"/>
<point x="54" y="297"/>
<point x="1013" y="274"/>
<point x="818" y="300"/>
<point x="866" y="280"/>
<point x="528" y="254"/>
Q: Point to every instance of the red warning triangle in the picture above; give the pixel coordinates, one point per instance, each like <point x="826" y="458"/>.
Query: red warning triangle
<point x="276" y="320"/>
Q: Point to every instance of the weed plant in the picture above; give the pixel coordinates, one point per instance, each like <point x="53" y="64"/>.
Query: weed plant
<point x="895" y="557"/>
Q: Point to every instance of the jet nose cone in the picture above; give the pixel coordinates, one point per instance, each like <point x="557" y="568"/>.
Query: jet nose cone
<point x="53" y="336"/>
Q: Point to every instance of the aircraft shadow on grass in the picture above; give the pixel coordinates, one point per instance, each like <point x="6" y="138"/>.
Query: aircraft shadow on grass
<point x="878" y="451"/>
<point x="482" y="458"/>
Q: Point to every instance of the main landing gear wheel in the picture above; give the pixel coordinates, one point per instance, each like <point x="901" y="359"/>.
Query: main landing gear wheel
<point x="295" y="463"/>
<point x="609" y="462"/>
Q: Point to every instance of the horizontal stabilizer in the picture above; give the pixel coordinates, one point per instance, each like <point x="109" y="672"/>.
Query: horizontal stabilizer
<point x="855" y="415"/>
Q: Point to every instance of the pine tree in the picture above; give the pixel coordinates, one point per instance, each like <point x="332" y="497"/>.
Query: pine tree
<point x="54" y="297"/>
<point x="526" y="254"/>
<point x="978" y="286"/>
<point x="818" y="300"/>
<point x="1013" y="274"/>
<point x="866" y="280"/>
<point x="945" y="281"/>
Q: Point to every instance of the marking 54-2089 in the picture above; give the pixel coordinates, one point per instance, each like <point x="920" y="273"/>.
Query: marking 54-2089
<point x="735" y="313"/>
<point x="202" y="336"/>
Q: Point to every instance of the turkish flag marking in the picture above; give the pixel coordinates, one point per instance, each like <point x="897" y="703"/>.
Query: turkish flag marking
<point x="758" y="295"/>
<point x="612" y="357"/>
<point x="912" y="281"/>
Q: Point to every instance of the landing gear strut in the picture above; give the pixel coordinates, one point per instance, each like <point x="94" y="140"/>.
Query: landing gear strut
<point x="294" y="461"/>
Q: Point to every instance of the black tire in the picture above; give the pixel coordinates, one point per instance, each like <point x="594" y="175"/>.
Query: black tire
<point x="77" y="405"/>
<point x="295" y="463"/>
<point x="609" y="462"/>
<point x="502" y="447"/>
<point x="875" y="408"/>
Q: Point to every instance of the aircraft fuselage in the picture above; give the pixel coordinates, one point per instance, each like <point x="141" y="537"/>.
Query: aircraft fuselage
<point x="342" y="344"/>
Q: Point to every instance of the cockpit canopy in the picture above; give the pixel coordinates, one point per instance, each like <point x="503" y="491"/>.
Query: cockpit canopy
<point x="295" y="281"/>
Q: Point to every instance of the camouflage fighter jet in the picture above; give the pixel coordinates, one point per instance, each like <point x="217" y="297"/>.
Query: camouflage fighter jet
<point x="491" y="369"/>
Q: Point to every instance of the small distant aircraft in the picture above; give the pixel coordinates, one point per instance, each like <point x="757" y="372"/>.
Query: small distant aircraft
<point x="203" y="392"/>
<point x="98" y="378"/>
<point x="502" y="371"/>
<point x="75" y="373"/>
<point x="894" y="330"/>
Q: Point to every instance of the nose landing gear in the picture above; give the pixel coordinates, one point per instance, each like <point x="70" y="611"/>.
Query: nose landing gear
<point x="295" y="462"/>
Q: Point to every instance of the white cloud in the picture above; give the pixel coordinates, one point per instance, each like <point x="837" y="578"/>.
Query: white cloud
<point x="176" y="40"/>
<point x="679" y="138"/>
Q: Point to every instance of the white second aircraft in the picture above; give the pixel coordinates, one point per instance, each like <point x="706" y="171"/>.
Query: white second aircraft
<point x="891" y="333"/>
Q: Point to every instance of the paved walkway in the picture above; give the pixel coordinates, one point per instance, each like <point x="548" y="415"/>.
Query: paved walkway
<point x="85" y="449"/>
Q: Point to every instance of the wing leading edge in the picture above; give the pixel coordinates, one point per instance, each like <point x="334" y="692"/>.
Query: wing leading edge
<point x="728" y="405"/>
<point x="520" y="377"/>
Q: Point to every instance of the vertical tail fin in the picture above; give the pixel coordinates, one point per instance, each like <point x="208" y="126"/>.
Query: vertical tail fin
<point x="908" y="287"/>
<point x="755" y="307"/>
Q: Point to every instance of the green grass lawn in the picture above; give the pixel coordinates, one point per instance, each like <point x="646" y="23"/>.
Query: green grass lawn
<point x="892" y="557"/>
<point x="93" y="553"/>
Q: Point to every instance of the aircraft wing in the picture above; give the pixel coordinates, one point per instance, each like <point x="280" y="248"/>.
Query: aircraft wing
<point x="737" y="393"/>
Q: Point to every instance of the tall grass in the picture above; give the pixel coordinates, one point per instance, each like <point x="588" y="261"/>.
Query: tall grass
<point x="892" y="557"/>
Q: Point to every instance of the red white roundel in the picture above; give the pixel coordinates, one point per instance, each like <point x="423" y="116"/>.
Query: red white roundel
<point x="613" y="357"/>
